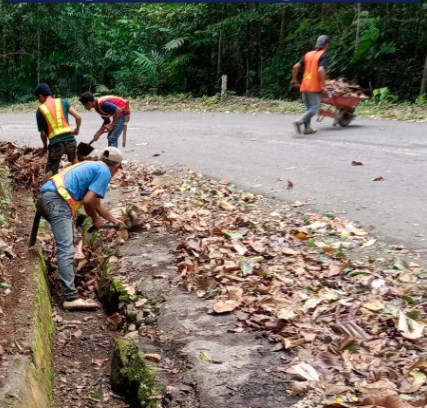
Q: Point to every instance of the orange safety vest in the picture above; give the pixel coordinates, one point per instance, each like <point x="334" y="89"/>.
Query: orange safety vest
<point x="59" y="183"/>
<point x="123" y="104"/>
<point x="311" y="78"/>
<point x="53" y="112"/>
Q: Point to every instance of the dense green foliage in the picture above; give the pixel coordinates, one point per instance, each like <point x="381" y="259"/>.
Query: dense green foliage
<point x="135" y="49"/>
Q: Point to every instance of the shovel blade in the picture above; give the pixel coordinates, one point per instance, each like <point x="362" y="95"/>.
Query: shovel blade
<point x="84" y="149"/>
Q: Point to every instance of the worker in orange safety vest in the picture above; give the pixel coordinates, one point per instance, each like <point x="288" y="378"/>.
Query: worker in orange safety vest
<point x="57" y="136"/>
<point x="313" y="82"/>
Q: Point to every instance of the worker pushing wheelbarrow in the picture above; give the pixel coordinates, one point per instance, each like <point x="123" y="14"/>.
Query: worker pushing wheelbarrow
<point x="344" y="105"/>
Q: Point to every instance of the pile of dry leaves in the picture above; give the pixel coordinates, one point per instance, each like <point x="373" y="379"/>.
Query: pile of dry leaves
<point x="355" y="328"/>
<point x="343" y="87"/>
<point x="352" y="326"/>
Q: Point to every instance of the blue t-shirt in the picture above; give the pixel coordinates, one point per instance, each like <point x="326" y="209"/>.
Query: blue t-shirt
<point x="93" y="176"/>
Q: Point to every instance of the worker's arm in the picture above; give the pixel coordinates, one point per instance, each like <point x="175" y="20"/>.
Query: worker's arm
<point x="102" y="129"/>
<point x="94" y="208"/>
<point x="99" y="132"/>
<point x="295" y="71"/>
<point x="322" y="76"/>
<point x="43" y="129"/>
<point x="117" y="114"/>
<point x="78" y="118"/>
<point x="43" y="137"/>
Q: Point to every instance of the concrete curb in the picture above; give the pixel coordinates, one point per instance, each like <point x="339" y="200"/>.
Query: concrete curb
<point x="29" y="381"/>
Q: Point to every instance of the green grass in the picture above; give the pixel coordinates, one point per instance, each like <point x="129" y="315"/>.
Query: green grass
<point x="5" y="197"/>
<point x="186" y="103"/>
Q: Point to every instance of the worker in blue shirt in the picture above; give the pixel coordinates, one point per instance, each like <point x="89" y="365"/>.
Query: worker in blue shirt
<point x="84" y="184"/>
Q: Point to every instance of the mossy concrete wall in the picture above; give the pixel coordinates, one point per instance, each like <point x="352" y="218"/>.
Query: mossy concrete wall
<point x="132" y="376"/>
<point x="29" y="381"/>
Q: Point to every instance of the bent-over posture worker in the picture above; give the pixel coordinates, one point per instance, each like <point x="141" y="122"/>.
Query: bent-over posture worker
<point x="109" y="107"/>
<point x="313" y="82"/>
<point x="83" y="183"/>
<point x="52" y="123"/>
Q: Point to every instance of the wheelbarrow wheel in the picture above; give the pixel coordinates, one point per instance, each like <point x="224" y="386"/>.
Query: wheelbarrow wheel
<point x="345" y="117"/>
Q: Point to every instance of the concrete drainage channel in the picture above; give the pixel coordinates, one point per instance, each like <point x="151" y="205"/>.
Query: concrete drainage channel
<point x="153" y="345"/>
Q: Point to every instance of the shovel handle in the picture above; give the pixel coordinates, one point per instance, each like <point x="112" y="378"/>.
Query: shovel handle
<point x="105" y="226"/>
<point x="33" y="235"/>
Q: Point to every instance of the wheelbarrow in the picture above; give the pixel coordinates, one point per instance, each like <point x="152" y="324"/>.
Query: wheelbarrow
<point x="344" y="107"/>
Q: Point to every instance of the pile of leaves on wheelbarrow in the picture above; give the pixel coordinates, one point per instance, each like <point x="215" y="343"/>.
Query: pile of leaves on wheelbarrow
<point x="344" y="87"/>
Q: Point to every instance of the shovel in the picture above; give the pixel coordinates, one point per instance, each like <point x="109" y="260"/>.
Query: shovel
<point x="84" y="149"/>
<point x="33" y="235"/>
<point x="105" y="226"/>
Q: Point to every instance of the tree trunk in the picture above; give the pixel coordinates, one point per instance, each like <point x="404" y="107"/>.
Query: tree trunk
<point x="223" y="87"/>
<point x="247" y="74"/>
<point x="38" y="56"/>
<point x="423" y="87"/>
<point x="218" y="61"/>
<point x="359" y="12"/>
<point x="282" y="28"/>
<point x="261" y="68"/>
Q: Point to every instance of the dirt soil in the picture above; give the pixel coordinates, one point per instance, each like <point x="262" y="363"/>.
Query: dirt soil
<point x="16" y="295"/>
<point x="204" y="361"/>
<point x="82" y="349"/>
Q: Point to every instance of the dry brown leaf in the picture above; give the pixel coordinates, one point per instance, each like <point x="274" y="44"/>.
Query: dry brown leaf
<point x="288" y="251"/>
<point x="77" y="334"/>
<point x="225" y="205"/>
<point x="335" y="389"/>
<point x="387" y="402"/>
<point x="288" y="343"/>
<point x="374" y="304"/>
<point x="286" y="313"/>
<point x="379" y="389"/>
<point x="99" y="361"/>
<point x="412" y="384"/>
<point x="234" y="292"/>
<point x="225" y="306"/>
<point x="115" y="321"/>
<point x="305" y="370"/>
<point x="351" y="330"/>
<point x="239" y="247"/>
<point x="409" y="328"/>
<point x="153" y="357"/>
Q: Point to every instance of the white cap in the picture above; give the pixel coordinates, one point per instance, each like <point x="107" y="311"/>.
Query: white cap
<point x="113" y="154"/>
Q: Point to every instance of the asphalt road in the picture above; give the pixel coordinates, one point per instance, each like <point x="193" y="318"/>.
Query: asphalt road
<point x="261" y="152"/>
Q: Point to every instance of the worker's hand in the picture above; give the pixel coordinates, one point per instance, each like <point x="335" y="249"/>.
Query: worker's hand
<point x="295" y="83"/>
<point x="98" y="223"/>
<point x="108" y="128"/>
<point x="76" y="131"/>
<point x="123" y="144"/>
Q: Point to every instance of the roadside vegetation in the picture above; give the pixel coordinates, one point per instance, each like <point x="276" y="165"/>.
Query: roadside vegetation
<point x="135" y="49"/>
<point x="372" y="108"/>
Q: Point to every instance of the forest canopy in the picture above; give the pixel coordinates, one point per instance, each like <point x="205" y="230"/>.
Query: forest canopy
<point x="135" y="49"/>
